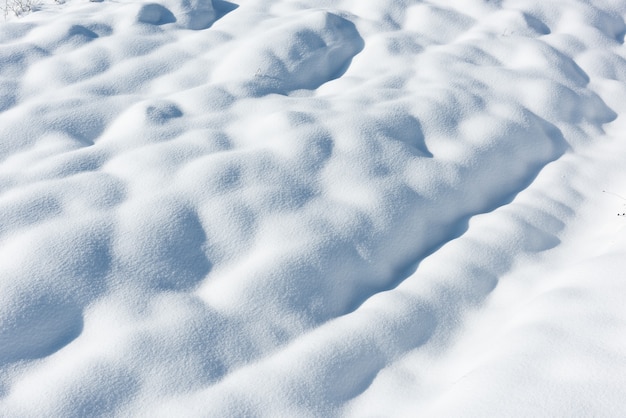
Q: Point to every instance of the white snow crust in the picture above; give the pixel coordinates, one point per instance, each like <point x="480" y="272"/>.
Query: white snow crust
<point x="313" y="208"/>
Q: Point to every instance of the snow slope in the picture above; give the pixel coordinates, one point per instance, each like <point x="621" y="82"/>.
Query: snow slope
<point x="313" y="208"/>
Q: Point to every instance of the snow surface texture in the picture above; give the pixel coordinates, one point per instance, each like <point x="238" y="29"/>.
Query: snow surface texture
<point x="313" y="208"/>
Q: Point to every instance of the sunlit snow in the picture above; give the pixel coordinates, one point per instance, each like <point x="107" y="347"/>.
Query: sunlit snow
<point x="313" y="208"/>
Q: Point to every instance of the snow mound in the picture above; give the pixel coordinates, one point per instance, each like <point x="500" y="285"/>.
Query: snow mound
<point x="189" y="14"/>
<point x="302" y="53"/>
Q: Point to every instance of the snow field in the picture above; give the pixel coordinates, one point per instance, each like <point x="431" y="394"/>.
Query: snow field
<point x="311" y="208"/>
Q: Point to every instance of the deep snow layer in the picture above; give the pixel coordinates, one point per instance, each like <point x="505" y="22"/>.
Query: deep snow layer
<point x="313" y="208"/>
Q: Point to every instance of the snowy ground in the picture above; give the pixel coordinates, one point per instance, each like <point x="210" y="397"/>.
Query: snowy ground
<point x="289" y="208"/>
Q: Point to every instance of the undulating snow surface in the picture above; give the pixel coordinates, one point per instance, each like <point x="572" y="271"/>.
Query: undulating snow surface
<point x="313" y="208"/>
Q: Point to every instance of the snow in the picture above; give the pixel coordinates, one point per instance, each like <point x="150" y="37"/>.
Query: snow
<point x="313" y="208"/>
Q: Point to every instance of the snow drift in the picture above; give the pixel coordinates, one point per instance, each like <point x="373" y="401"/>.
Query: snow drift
<point x="306" y="208"/>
